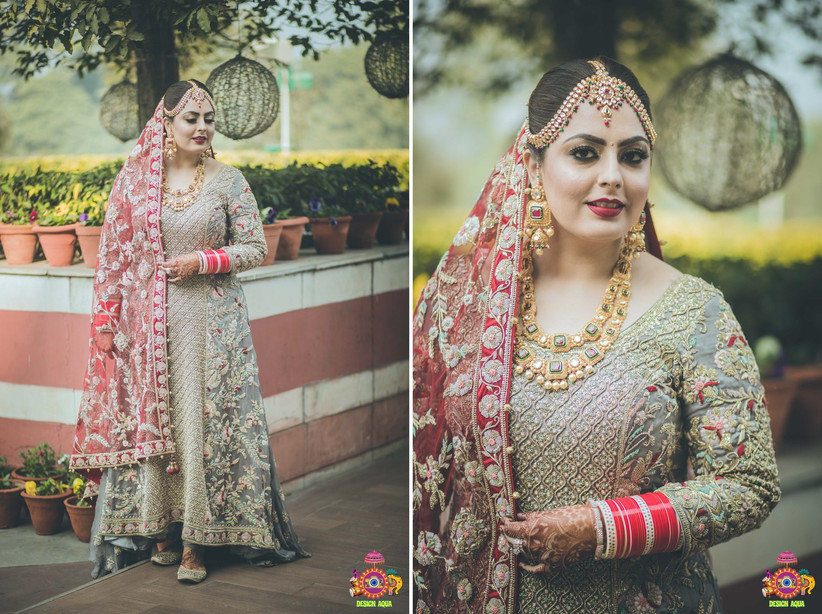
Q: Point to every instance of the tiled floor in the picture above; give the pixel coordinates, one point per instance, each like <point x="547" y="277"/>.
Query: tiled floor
<point x="339" y="521"/>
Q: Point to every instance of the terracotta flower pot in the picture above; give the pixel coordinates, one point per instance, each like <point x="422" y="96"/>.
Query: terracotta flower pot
<point x="58" y="243"/>
<point x="272" y="233"/>
<point x="779" y="395"/>
<point x="291" y="237"/>
<point x="82" y="517"/>
<point x="363" y="229"/>
<point x="18" y="474"/>
<point x="89" y="239"/>
<point x="19" y="243"/>
<point x="329" y="238"/>
<point x="806" y="419"/>
<point x="46" y="511"/>
<point x="10" y="504"/>
<point x="392" y="227"/>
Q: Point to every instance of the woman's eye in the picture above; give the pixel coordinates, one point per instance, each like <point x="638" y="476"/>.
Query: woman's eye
<point x="191" y="121"/>
<point x="635" y="156"/>
<point x="209" y="121"/>
<point x="584" y="153"/>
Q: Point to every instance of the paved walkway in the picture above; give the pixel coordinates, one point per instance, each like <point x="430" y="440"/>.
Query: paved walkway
<point x="339" y="521"/>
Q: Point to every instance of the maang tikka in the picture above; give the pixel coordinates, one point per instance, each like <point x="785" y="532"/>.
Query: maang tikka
<point x="538" y="218"/>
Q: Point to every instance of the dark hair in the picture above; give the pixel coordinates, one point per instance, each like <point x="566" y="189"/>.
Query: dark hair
<point x="555" y="85"/>
<point x="175" y="92"/>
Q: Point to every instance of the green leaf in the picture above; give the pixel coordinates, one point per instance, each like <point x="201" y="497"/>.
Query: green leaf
<point x="41" y="6"/>
<point x="29" y="4"/>
<point x="112" y="42"/>
<point x="202" y="19"/>
<point x="103" y="14"/>
<point x="136" y="36"/>
<point x="88" y="39"/>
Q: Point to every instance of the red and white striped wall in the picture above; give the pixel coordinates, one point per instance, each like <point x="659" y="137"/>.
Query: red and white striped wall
<point x="331" y="335"/>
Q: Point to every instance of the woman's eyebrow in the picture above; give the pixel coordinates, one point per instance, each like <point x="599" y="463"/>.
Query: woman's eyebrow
<point x="599" y="141"/>
<point x="195" y="114"/>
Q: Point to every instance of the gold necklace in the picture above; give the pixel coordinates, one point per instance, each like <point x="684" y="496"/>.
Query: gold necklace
<point x="602" y="330"/>
<point x="180" y="200"/>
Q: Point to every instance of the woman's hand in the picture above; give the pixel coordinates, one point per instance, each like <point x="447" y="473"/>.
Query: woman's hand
<point x="555" y="539"/>
<point x="105" y="341"/>
<point x="181" y="267"/>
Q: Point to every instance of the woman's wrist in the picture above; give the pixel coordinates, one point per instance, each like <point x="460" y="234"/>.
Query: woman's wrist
<point x="636" y="525"/>
<point x="214" y="261"/>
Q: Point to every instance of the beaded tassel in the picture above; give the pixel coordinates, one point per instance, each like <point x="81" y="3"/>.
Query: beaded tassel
<point x="173" y="467"/>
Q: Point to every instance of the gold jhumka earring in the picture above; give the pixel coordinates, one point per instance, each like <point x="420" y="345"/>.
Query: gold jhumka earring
<point x="538" y="218"/>
<point x="170" y="148"/>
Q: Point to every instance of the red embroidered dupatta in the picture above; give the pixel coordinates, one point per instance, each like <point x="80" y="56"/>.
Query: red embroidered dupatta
<point x="123" y="415"/>
<point x="462" y="357"/>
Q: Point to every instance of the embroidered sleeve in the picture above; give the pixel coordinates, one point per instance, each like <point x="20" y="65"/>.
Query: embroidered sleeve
<point x="245" y="228"/>
<point x="728" y="434"/>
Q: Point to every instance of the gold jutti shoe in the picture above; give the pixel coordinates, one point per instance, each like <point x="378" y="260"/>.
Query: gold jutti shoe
<point x="185" y="574"/>
<point x="167" y="556"/>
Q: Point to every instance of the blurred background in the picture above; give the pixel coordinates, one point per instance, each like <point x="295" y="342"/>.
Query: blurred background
<point x="736" y="94"/>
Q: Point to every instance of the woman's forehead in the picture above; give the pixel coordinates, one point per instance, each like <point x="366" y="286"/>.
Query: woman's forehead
<point x="201" y="108"/>
<point x="622" y="124"/>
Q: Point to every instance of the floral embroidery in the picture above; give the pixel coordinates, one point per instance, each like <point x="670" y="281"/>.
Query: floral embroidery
<point x="502" y="575"/>
<point x="492" y="337"/>
<point x="468" y="232"/>
<point x="492" y="371"/>
<point x="489" y="406"/>
<point x="462" y="385"/>
<point x="491" y="440"/>
<point x="468" y="533"/>
<point x="504" y="270"/>
<point x="464" y="590"/>
<point x="494" y="606"/>
<point x="432" y="473"/>
<point x="428" y="548"/>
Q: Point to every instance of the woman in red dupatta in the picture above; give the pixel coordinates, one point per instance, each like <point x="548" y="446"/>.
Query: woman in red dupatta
<point x="579" y="471"/>
<point x="171" y="422"/>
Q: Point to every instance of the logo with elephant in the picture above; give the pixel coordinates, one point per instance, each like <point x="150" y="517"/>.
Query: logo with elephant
<point x="373" y="583"/>
<point x="787" y="582"/>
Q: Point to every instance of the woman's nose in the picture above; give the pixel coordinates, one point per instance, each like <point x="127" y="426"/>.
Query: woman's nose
<point x="610" y="173"/>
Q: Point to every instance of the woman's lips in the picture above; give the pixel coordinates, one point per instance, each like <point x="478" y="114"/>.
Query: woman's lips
<point x="603" y="209"/>
<point x="199" y="140"/>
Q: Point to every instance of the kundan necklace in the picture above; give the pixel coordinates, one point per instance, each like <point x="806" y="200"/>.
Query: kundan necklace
<point x="601" y="331"/>
<point x="180" y="200"/>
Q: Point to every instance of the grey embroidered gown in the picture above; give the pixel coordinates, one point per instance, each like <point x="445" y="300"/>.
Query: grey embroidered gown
<point x="227" y="491"/>
<point x="677" y="398"/>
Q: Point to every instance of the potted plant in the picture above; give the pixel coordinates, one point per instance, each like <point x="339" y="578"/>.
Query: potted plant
<point x="779" y="390"/>
<point x="39" y="464"/>
<point x="10" y="500"/>
<point x="80" y="508"/>
<point x="393" y="221"/>
<point x="45" y="502"/>
<point x="360" y="194"/>
<point x="329" y="226"/>
<point x="55" y="230"/>
<point x="273" y="230"/>
<point x="18" y="216"/>
<point x="89" y="225"/>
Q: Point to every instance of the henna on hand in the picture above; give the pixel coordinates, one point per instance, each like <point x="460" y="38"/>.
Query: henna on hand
<point x="553" y="539"/>
<point x="105" y="341"/>
<point x="181" y="267"/>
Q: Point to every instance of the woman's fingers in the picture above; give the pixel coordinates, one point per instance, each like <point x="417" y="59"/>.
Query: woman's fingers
<point x="539" y="568"/>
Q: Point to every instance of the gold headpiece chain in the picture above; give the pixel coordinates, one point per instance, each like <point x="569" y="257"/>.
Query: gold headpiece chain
<point x="195" y="93"/>
<point x="601" y="89"/>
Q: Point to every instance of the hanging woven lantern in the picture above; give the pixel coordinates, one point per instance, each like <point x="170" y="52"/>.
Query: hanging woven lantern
<point x="118" y="111"/>
<point x="247" y="97"/>
<point x="386" y="64"/>
<point x="729" y="134"/>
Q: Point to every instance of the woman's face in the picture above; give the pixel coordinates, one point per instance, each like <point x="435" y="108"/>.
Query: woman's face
<point x="193" y="127"/>
<point x="593" y="162"/>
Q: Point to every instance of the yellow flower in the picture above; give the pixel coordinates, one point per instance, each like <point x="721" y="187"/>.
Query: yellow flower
<point x="392" y="203"/>
<point x="31" y="488"/>
<point x="78" y="486"/>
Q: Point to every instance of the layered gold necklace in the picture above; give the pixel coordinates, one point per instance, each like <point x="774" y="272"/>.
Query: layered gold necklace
<point x="599" y="334"/>
<point x="179" y="200"/>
